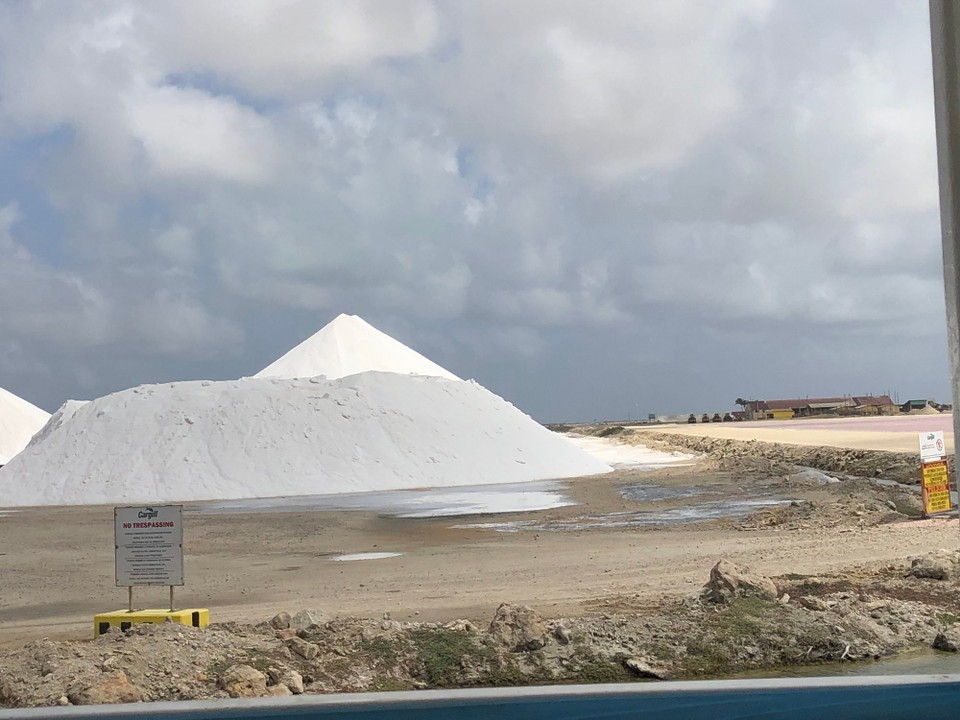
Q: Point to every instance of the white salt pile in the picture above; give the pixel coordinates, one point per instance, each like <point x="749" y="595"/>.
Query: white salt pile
<point x="624" y="454"/>
<point x="349" y="345"/>
<point x="269" y="438"/>
<point x="19" y="421"/>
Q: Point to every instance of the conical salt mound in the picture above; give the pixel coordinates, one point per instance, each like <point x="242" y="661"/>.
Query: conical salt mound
<point x="19" y="421"/>
<point x="349" y="345"/>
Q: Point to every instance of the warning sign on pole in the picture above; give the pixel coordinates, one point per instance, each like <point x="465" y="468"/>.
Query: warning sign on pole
<point x="935" y="487"/>
<point x="149" y="545"/>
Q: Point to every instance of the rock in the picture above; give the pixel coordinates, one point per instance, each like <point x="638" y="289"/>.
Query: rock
<point x="63" y="700"/>
<point x="785" y="599"/>
<point x="299" y="646"/>
<point x="813" y="603"/>
<point x="280" y="621"/>
<point x="243" y="681"/>
<point x="642" y="668"/>
<point x="519" y="628"/>
<point x="942" y="642"/>
<point x="278" y="691"/>
<point x="562" y="635"/>
<point x="293" y="681"/>
<point x="307" y="620"/>
<point x="729" y="580"/>
<point x="460" y="626"/>
<point x="7" y="693"/>
<point x="110" y="689"/>
<point x="286" y="634"/>
<point x="932" y="567"/>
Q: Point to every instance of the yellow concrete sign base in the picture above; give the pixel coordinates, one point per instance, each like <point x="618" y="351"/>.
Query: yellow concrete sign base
<point x="125" y="619"/>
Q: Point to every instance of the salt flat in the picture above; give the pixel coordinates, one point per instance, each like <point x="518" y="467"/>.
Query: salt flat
<point x="895" y="433"/>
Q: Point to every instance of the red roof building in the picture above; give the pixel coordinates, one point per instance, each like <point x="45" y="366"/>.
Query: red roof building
<point x="809" y="407"/>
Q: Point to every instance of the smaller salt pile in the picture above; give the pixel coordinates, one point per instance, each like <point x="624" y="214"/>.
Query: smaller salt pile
<point x="348" y="345"/>
<point x="258" y="438"/>
<point x="19" y="421"/>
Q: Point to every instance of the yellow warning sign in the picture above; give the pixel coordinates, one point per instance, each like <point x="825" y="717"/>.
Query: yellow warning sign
<point x="936" y="487"/>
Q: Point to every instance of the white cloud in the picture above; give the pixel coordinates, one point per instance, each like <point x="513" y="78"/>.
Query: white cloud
<point x="886" y="118"/>
<point x="611" y="88"/>
<point x="189" y="133"/>
<point x="293" y="47"/>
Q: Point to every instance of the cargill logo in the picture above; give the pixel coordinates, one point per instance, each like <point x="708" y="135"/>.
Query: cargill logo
<point x="148" y="513"/>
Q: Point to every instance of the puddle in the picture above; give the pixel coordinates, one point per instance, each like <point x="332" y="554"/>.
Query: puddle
<point x="504" y="527"/>
<point x="447" y="504"/>
<point x="884" y="482"/>
<point x="365" y="556"/>
<point x="426" y="503"/>
<point x="654" y="493"/>
<point x="721" y="509"/>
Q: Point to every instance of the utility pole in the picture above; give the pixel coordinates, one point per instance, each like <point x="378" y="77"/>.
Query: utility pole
<point x="945" y="44"/>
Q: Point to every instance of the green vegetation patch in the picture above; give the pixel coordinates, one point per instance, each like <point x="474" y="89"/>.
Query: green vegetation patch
<point x="379" y="652"/>
<point x="706" y="659"/>
<point x="444" y="655"/>
<point x="742" y="619"/>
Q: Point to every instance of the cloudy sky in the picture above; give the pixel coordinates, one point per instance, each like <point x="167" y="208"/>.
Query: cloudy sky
<point x="596" y="209"/>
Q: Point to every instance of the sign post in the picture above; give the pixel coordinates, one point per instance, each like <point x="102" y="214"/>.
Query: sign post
<point x="935" y="480"/>
<point x="148" y="544"/>
<point x="148" y="550"/>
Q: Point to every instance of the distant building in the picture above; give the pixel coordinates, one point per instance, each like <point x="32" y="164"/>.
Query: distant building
<point x="920" y="406"/>
<point x="811" y="407"/>
<point x="874" y="405"/>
